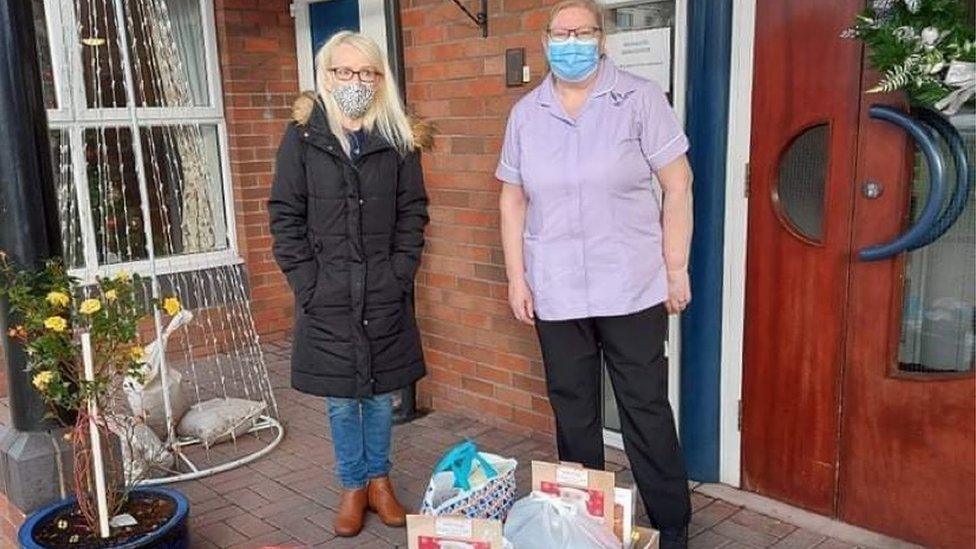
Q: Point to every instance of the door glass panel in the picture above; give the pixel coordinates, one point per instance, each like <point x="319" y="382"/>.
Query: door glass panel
<point x="940" y="281"/>
<point x="327" y="18"/>
<point x="611" y="415"/>
<point x="639" y="37"/>
<point x="801" y="182"/>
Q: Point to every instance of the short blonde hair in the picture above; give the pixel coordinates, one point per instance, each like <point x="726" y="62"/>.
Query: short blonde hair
<point x="588" y="5"/>
<point x="386" y="113"/>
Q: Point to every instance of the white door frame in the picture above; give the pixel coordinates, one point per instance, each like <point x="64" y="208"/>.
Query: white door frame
<point x="736" y="222"/>
<point x="372" y="23"/>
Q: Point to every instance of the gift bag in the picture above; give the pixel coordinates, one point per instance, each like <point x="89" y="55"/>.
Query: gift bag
<point x="470" y="483"/>
<point x="544" y="521"/>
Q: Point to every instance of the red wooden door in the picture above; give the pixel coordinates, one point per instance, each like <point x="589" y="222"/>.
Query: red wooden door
<point x="859" y="399"/>
<point x="796" y="279"/>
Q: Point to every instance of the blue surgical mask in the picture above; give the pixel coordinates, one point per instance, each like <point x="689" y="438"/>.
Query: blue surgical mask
<point x="572" y="60"/>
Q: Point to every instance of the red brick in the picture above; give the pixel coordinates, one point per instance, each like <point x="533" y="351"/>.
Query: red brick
<point x="477" y="386"/>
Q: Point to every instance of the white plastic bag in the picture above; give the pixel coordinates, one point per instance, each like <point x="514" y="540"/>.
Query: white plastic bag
<point x="542" y="521"/>
<point x="219" y="419"/>
<point x="143" y="454"/>
<point x="146" y="398"/>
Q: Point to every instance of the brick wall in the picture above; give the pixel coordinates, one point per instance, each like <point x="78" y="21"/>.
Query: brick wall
<point x="256" y="40"/>
<point x="482" y="362"/>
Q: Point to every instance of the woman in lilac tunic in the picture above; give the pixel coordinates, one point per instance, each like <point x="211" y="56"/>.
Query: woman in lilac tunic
<point x="595" y="260"/>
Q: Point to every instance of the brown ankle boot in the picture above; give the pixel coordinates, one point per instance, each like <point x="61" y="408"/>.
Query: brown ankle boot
<point x="383" y="501"/>
<point x="352" y="512"/>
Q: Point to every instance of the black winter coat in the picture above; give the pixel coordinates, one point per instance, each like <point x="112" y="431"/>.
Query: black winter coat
<point x="348" y="236"/>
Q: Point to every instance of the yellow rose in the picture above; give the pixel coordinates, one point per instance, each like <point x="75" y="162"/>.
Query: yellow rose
<point x="42" y="380"/>
<point x="172" y="305"/>
<point x="137" y="354"/>
<point x="111" y="295"/>
<point x="90" y="306"/>
<point x="123" y="276"/>
<point x="58" y="299"/>
<point x="55" y="323"/>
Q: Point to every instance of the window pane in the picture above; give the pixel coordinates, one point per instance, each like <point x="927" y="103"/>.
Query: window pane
<point x="169" y="60"/>
<point x="71" y="241"/>
<point x="802" y="180"/>
<point x="113" y="190"/>
<point x="184" y="186"/>
<point x="44" y="55"/>
<point x="100" y="57"/>
<point x="939" y="315"/>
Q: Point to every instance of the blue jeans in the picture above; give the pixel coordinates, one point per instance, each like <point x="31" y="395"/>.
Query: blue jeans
<point x="361" y="431"/>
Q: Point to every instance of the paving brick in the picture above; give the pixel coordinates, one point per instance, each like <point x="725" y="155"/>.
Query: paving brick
<point x="364" y="540"/>
<point x="247" y="499"/>
<point x="222" y="535"/>
<point x="275" y="539"/>
<point x="800" y="539"/>
<point x="755" y="521"/>
<point x="712" y="514"/>
<point x="306" y="532"/>
<point x="743" y="534"/>
<point x="835" y="544"/>
<point x="217" y="515"/>
<point x="271" y="490"/>
<point x="249" y="525"/>
<point x="708" y="540"/>
<point x="290" y="504"/>
<point x="699" y="501"/>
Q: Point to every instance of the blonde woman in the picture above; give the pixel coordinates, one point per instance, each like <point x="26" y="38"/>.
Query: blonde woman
<point x="348" y="211"/>
<point x="593" y="261"/>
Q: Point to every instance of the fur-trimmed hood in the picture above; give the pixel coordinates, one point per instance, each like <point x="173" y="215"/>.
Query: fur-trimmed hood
<point x="304" y="106"/>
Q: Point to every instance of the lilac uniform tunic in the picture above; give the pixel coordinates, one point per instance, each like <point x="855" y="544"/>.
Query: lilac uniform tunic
<point x="593" y="239"/>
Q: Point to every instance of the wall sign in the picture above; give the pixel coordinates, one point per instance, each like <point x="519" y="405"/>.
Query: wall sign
<point x="645" y="53"/>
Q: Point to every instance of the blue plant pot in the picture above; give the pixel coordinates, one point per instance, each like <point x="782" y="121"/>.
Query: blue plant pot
<point x="174" y="534"/>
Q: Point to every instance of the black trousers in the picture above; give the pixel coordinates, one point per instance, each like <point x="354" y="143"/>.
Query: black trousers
<point x="633" y="348"/>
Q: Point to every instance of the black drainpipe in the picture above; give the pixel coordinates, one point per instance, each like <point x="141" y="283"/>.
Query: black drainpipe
<point x="404" y="400"/>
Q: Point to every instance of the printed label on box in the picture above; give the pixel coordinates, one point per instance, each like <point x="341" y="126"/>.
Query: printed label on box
<point x="453" y="527"/>
<point x="572" y="476"/>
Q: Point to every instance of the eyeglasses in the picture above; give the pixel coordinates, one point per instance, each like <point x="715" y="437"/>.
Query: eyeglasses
<point x="365" y="75"/>
<point x="581" y="33"/>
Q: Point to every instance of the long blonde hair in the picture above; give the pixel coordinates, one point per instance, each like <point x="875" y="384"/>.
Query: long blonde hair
<point x="386" y="114"/>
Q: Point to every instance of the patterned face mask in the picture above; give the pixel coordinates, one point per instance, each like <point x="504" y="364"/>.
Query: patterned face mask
<point x="354" y="98"/>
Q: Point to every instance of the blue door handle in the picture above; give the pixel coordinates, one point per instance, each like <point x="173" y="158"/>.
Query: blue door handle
<point x="918" y="232"/>
<point x="960" y="195"/>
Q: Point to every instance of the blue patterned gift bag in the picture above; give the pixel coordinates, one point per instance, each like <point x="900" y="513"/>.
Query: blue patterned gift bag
<point x="472" y="484"/>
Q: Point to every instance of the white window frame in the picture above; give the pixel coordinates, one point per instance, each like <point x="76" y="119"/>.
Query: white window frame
<point x="372" y="23"/>
<point x="74" y="116"/>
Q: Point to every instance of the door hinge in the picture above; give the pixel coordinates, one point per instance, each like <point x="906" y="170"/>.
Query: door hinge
<point x="746" y="179"/>
<point x="739" y="422"/>
<point x="291" y="9"/>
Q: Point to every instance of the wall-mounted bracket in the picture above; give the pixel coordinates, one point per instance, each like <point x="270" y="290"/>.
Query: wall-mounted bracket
<point x="480" y="19"/>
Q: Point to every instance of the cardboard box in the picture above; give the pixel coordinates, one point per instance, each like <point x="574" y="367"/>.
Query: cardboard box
<point x="430" y="532"/>
<point x="646" y="538"/>
<point x="595" y="489"/>
<point x="624" y="501"/>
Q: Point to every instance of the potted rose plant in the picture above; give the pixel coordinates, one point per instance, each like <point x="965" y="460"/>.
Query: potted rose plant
<point x="51" y="314"/>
